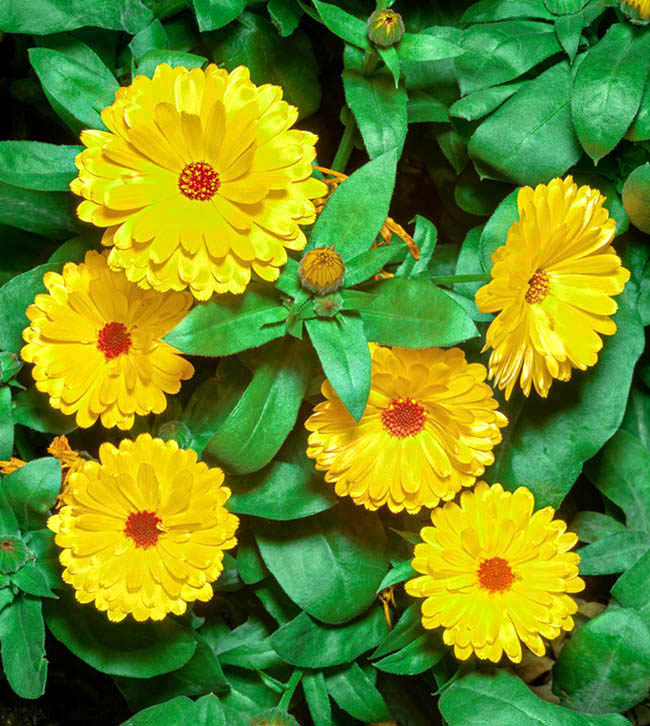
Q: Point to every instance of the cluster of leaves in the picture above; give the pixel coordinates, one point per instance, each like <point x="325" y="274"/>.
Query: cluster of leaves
<point x="493" y="94"/>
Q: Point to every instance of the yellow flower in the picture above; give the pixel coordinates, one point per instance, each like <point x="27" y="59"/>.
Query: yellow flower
<point x="143" y="531"/>
<point x="428" y="430"/>
<point x="552" y="284"/>
<point x="13" y="464"/>
<point x="95" y="342"/>
<point x="322" y="270"/>
<point x="495" y="575"/>
<point x="199" y="180"/>
<point x="639" y="9"/>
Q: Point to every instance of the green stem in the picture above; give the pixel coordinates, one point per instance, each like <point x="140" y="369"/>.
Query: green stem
<point x="291" y="687"/>
<point x="346" y="145"/>
<point x="451" y="279"/>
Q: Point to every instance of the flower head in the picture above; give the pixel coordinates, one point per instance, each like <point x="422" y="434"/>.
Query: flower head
<point x="322" y="270"/>
<point x="95" y="342"/>
<point x="637" y="10"/>
<point x="200" y="180"/>
<point x="385" y="27"/>
<point x="143" y="531"/>
<point x="428" y="430"/>
<point x="552" y="286"/>
<point x="495" y="575"/>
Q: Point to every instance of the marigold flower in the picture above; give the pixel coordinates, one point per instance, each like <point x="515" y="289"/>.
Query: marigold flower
<point x="428" y="430"/>
<point x="495" y="575"/>
<point x="322" y="270"/>
<point x="551" y="285"/>
<point x="96" y="344"/>
<point x="143" y="531"/>
<point x="637" y="10"/>
<point x="199" y="180"/>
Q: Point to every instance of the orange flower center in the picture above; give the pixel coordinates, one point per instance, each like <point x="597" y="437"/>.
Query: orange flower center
<point x="537" y="287"/>
<point x="113" y="340"/>
<point x="403" y="418"/>
<point x="6" y="545"/>
<point x="495" y="575"/>
<point x="142" y="528"/>
<point x="199" y="180"/>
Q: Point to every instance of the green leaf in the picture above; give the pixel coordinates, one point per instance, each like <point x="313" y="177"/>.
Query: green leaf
<point x="246" y="646"/>
<point x="253" y="41"/>
<point x="346" y="26"/>
<point x="530" y="139"/>
<point x="262" y="419"/>
<point x="357" y="210"/>
<point x="344" y="354"/>
<point x="32" y="581"/>
<point x="615" y="553"/>
<point x="632" y="589"/>
<point x="248" y="696"/>
<point x="153" y="58"/>
<point x="636" y="197"/>
<point x="480" y="103"/>
<point x="15" y="296"/>
<point x="415" y="314"/>
<point x="423" y="108"/>
<point x="285" y="15"/>
<point x="32" y="408"/>
<point x="281" y="491"/>
<point x="153" y="37"/>
<point x="52" y="16"/>
<point x="568" y="29"/>
<point x="213" y="14"/>
<point x="129" y="648"/>
<point x="608" y="88"/>
<point x="426" y="47"/>
<point x="500" y="52"/>
<point x="329" y="564"/>
<point x="22" y="641"/>
<point x="487" y="11"/>
<point x="250" y="564"/>
<point x="200" y="675"/>
<point x="545" y="447"/>
<point x="640" y="127"/>
<point x="230" y="323"/>
<point x="32" y="491"/>
<point x="426" y="238"/>
<point x="318" y="700"/>
<point x="75" y="88"/>
<point x="6" y="423"/>
<point x="47" y="213"/>
<point x="605" y="666"/>
<point x="34" y="165"/>
<point x="8" y="521"/>
<point x="565" y="7"/>
<point x="355" y="693"/>
<point x="179" y="711"/>
<point x="364" y="266"/>
<point x="502" y="698"/>
<point x="46" y="554"/>
<point x="495" y="232"/>
<point x="307" y="643"/>
<point x="379" y="109"/>
<point x="399" y="573"/>
<point x="591" y="526"/>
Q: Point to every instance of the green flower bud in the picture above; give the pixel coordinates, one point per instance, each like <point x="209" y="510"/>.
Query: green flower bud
<point x="13" y="553"/>
<point x="385" y="28"/>
<point x="274" y="717"/>
<point x="10" y="364"/>
<point x="328" y="306"/>
<point x="322" y="270"/>
<point x="176" y="431"/>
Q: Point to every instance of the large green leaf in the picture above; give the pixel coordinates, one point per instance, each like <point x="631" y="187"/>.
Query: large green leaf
<point x="306" y="643"/>
<point x="613" y="553"/>
<point x="32" y="408"/>
<point x="34" y="165"/>
<point x="318" y="700"/>
<point x="53" y="16"/>
<point x="285" y="15"/>
<point x="426" y="238"/>
<point x="488" y="11"/>
<point x="281" y="491"/>
<point x="50" y="214"/>
<point x="77" y="90"/>
<point x="22" y="645"/>
<point x="427" y="46"/>
<point x="344" y="354"/>
<point x="329" y="564"/>
<point x="547" y="442"/>
<point x="253" y="41"/>
<point x="131" y="649"/>
<point x="15" y="296"/>
<point x="32" y="491"/>
<point x="246" y="646"/>
<point x="262" y="419"/>
<point x="480" y="103"/>
<point x="632" y="589"/>
<point x="213" y="14"/>
<point x="530" y="139"/>
<point x="415" y="314"/>
<point x="379" y="108"/>
<point x="346" y="26"/>
<point x="640" y="127"/>
<point x="231" y="323"/>
<point x="605" y="666"/>
<point x="356" y="694"/>
<point x="357" y="210"/>
<point x="495" y="232"/>
<point x="499" y="52"/>
<point x="6" y="423"/>
<point x="608" y="88"/>
<point x="179" y="711"/>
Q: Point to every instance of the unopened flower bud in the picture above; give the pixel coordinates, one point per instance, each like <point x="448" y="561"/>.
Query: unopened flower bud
<point x="385" y="28"/>
<point x="322" y="270"/>
<point x="328" y="306"/>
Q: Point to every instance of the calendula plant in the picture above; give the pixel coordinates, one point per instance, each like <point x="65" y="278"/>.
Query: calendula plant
<point x="323" y="386"/>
